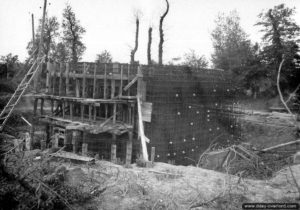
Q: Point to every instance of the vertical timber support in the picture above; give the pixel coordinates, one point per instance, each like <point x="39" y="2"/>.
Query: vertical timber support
<point x="67" y="79"/>
<point x="48" y="77"/>
<point x="113" y="153"/>
<point x="121" y="82"/>
<point x="75" y="140"/>
<point x="84" y="80"/>
<point x="95" y="82"/>
<point x="42" y="106"/>
<point x="129" y="148"/>
<point x="105" y="82"/>
<point x="84" y="144"/>
<point x="61" y="66"/>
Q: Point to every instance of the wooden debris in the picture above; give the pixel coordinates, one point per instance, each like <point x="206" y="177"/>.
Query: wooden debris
<point x="281" y="145"/>
<point x="72" y="156"/>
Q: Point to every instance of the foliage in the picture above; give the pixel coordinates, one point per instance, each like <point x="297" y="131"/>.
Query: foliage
<point x="60" y="54"/>
<point x="50" y="33"/>
<point x="232" y="48"/>
<point x="193" y="60"/>
<point x="72" y="34"/>
<point x="281" y="38"/>
<point x="104" y="57"/>
<point x="12" y="63"/>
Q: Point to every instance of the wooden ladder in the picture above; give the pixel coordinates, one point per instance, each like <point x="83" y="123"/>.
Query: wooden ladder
<point x="14" y="100"/>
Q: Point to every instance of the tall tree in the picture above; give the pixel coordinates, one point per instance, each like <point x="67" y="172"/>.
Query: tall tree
<point x="193" y="60"/>
<point x="161" y="35"/>
<point x="72" y="34"/>
<point x="232" y="47"/>
<point x="11" y="62"/>
<point x="281" y="38"/>
<point x="60" y="53"/>
<point x="104" y="57"/>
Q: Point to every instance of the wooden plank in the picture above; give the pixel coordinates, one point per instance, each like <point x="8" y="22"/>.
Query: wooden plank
<point x="131" y="83"/>
<point x="144" y="139"/>
<point x="67" y="79"/>
<point x="95" y="81"/>
<point x="77" y="81"/>
<point x="75" y="140"/>
<point x="72" y="156"/>
<point x="146" y="111"/>
<point x="141" y="86"/>
<point x="95" y="112"/>
<point x="82" y="112"/>
<point x="105" y="82"/>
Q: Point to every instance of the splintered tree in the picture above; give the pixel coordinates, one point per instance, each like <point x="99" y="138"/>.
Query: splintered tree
<point x="133" y="51"/>
<point x="149" y="46"/>
<point x="161" y="35"/>
<point x="72" y="34"/>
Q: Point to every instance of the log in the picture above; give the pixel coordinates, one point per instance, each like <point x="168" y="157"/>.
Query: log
<point x="281" y="145"/>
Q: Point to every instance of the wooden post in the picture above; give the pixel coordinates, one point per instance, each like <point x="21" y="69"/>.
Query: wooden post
<point x="128" y="79"/>
<point x="63" y="108"/>
<point x="52" y="106"/>
<point x="35" y="106"/>
<point x="129" y="148"/>
<point x="71" y="110"/>
<point x="121" y="82"/>
<point x="113" y="88"/>
<point x="42" y="106"/>
<point x="105" y="82"/>
<point x="54" y="78"/>
<point x="60" y="79"/>
<point x="48" y="76"/>
<point x="84" y="144"/>
<point x="77" y="87"/>
<point x="67" y="79"/>
<point x="90" y="112"/>
<point x="95" y="112"/>
<point x="30" y="138"/>
<point x="113" y="155"/>
<point x="56" y="139"/>
<point x="82" y="111"/>
<point x="152" y="154"/>
<point x="84" y="81"/>
<point x="75" y="140"/>
<point x="95" y="81"/>
<point x="114" y="113"/>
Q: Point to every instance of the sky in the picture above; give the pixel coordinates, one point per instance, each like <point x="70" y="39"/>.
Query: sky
<point x="110" y="24"/>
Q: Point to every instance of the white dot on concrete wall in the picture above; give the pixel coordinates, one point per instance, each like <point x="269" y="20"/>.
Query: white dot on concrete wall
<point x="157" y="156"/>
<point x="110" y="74"/>
<point x="171" y="142"/>
<point x="208" y="120"/>
<point x="193" y="150"/>
<point x="184" y="140"/>
<point x="174" y="153"/>
<point x="215" y="90"/>
<point x="190" y="107"/>
<point x="227" y="90"/>
<point x="210" y="129"/>
<point x="231" y="126"/>
<point x="218" y="128"/>
<point x="208" y="115"/>
<point x="197" y="112"/>
<point x="178" y="113"/>
<point x="194" y="94"/>
<point x="191" y="123"/>
<point x="183" y="152"/>
<point x="193" y="138"/>
<point x="176" y="95"/>
<point x="216" y="104"/>
<point x="168" y="154"/>
<point x="208" y="111"/>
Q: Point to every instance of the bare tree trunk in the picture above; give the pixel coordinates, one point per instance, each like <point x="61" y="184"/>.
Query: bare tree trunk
<point x="136" y="40"/>
<point x="161" y="35"/>
<point x="149" y="46"/>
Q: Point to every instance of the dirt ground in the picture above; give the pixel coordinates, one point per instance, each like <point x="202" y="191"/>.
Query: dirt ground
<point x="179" y="187"/>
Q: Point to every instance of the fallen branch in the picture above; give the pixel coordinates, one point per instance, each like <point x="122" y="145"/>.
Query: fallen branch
<point x="281" y="145"/>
